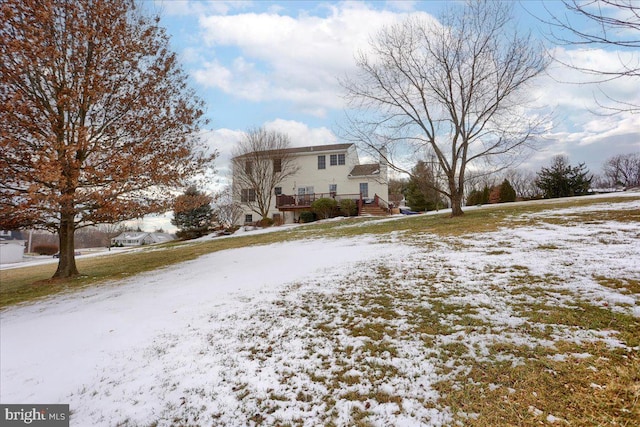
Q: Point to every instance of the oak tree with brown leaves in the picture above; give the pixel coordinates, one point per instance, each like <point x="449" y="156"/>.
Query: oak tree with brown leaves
<point x="97" y="122"/>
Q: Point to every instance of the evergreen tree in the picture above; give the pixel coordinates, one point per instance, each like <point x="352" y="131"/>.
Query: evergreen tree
<point x="420" y="192"/>
<point x="507" y="192"/>
<point x="414" y="197"/>
<point x="479" y="197"/>
<point x="192" y="214"/>
<point x="563" y="180"/>
<point x="579" y="180"/>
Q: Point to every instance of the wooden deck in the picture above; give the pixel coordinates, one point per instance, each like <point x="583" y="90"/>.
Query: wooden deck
<point x="302" y="202"/>
<point x="286" y="202"/>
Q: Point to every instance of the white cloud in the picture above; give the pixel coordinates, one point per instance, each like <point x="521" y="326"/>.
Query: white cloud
<point x="296" y="59"/>
<point x="302" y="135"/>
<point x="567" y="86"/>
<point x="214" y="75"/>
<point x="582" y="129"/>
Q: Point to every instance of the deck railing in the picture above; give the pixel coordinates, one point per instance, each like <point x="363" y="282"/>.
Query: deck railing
<point x="381" y="203"/>
<point x="302" y="201"/>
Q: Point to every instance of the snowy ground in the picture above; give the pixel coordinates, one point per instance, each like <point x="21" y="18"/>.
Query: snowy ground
<point x="314" y="332"/>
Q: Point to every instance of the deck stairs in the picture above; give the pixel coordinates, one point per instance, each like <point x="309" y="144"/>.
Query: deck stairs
<point x="373" y="210"/>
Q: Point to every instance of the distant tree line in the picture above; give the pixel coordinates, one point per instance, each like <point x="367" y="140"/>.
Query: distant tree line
<point x="559" y="179"/>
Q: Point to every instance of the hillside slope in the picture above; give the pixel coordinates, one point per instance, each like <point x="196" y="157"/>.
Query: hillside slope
<point x="535" y="321"/>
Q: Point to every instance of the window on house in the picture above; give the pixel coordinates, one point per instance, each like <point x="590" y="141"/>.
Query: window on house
<point x="248" y="218"/>
<point x="364" y="189"/>
<point x="248" y="195"/>
<point x="322" y="162"/>
<point x="341" y="159"/>
<point x="333" y="189"/>
<point x="277" y="191"/>
<point x="333" y="160"/>
<point x="277" y="165"/>
<point x="248" y="167"/>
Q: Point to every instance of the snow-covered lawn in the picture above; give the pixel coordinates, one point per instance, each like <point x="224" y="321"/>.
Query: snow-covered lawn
<point x="340" y="332"/>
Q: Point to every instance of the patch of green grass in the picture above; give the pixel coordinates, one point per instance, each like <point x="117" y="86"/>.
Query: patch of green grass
<point x="585" y="316"/>
<point x="497" y="252"/>
<point x="600" y="390"/>
<point x="625" y="286"/>
<point x="547" y="247"/>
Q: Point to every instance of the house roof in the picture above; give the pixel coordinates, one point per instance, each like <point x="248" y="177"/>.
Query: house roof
<point x="365" y="170"/>
<point x="139" y="235"/>
<point x="161" y="237"/>
<point x="131" y="235"/>
<point x="308" y="149"/>
<point x="316" y="148"/>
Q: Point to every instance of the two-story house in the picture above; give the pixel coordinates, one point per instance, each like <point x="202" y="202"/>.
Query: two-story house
<point x="321" y="171"/>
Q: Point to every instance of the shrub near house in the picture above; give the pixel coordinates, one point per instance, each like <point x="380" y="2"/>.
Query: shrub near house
<point x="325" y="208"/>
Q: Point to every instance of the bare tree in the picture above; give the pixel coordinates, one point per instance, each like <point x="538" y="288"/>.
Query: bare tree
<point x="261" y="161"/>
<point x="227" y="210"/>
<point x="97" y="122"/>
<point x="111" y="230"/>
<point x="455" y="87"/>
<point x="623" y="169"/>
<point x="397" y="186"/>
<point x="601" y="24"/>
<point x="524" y="182"/>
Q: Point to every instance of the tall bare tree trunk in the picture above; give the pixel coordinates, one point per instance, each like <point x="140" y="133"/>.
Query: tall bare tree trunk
<point x="66" y="233"/>
<point x="456" y="198"/>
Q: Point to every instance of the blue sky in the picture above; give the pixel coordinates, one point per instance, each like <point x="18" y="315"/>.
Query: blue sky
<point x="277" y="63"/>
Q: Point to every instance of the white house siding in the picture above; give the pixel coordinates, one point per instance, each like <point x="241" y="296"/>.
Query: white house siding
<point x="319" y="181"/>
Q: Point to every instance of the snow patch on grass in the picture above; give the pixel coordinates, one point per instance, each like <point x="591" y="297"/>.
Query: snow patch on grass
<point x="331" y="332"/>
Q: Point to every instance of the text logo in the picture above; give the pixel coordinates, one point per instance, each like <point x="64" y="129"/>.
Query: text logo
<point x="34" y="415"/>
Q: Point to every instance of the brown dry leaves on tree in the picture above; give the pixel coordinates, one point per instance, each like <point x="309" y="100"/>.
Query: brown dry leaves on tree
<point x="96" y="119"/>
